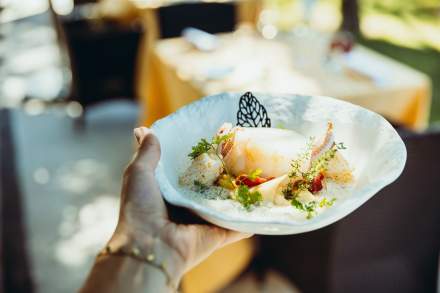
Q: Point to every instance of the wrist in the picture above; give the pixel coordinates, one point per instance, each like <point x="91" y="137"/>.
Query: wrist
<point x="149" y="248"/>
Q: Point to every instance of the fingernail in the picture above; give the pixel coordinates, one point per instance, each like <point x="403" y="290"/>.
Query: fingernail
<point x="138" y="134"/>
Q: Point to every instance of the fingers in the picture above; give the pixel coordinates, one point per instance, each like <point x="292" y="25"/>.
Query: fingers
<point x="148" y="153"/>
<point x="234" y="236"/>
<point x="196" y="242"/>
<point x="218" y="237"/>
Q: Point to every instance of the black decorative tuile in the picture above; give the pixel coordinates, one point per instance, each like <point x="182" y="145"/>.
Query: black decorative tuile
<point x="251" y="113"/>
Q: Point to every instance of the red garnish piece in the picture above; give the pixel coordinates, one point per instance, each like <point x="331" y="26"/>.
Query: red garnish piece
<point x="317" y="183"/>
<point x="245" y="180"/>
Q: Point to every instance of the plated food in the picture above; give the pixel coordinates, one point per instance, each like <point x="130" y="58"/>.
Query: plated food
<point x="256" y="166"/>
<point x="285" y="164"/>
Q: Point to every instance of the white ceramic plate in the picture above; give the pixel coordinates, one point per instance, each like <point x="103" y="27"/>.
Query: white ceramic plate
<point x="375" y="151"/>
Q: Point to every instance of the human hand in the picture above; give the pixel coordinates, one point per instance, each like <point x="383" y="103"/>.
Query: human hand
<point x="144" y="220"/>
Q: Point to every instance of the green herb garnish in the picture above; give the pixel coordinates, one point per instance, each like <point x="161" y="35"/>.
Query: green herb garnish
<point x="309" y="207"/>
<point x="218" y="139"/>
<point x="203" y="146"/>
<point x="317" y="166"/>
<point x="297" y="204"/>
<point x="200" y="187"/>
<point x="321" y="164"/>
<point x="326" y="203"/>
<point x="299" y="162"/>
<point x="254" y="174"/>
<point x="292" y="190"/>
<point x="341" y="146"/>
<point x="247" y="198"/>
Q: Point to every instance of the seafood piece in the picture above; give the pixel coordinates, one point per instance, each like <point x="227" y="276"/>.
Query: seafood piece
<point x="325" y="144"/>
<point x="338" y="170"/>
<point x="272" y="188"/>
<point x="269" y="149"/>
<point x="205" y="169"/>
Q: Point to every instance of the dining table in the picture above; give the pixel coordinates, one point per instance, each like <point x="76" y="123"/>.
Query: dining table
<point x="176" y="73"/>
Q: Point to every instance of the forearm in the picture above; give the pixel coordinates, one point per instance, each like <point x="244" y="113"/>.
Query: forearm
<point x="135" y="262"/>
<point x="114" y="273"/>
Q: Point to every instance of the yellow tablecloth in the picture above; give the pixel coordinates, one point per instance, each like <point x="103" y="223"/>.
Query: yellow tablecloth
<point x="176" y="74"/>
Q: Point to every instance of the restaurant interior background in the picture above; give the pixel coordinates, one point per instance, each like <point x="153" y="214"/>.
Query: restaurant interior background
<point x="77" y="75"/>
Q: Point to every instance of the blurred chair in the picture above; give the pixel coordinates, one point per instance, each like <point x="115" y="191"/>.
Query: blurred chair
<point x="390" y="244"/>
<point x="210" y="17"/>
<point x="101" y="54"/>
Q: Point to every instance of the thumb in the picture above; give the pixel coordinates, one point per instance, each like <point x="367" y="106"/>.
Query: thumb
<point x="148" y="153"/>
<point x="140" y="188"/>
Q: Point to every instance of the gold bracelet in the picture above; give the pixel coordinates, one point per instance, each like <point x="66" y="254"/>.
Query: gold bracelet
<point x="135" y="253"/>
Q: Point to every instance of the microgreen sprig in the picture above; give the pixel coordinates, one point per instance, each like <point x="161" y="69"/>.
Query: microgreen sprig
<point x="303" y="180"/>
<point x="247" y="198"/>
